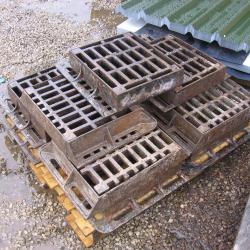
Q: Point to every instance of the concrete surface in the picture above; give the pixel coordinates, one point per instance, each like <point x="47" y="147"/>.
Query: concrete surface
<point x="205" y="214"/>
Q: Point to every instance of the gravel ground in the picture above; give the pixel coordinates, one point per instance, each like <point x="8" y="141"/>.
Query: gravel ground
<point x="204" y="214"/>
<point x="32" y="39"/>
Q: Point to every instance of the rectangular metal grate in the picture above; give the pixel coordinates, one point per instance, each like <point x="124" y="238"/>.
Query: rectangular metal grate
<point x="200" y="71"/>
<point x="61" y="110"/>
<point x="126" y="69"/>
<point x="62" y="103"/>
<point x="117" y="167"/>
<point x="215" y="106"/>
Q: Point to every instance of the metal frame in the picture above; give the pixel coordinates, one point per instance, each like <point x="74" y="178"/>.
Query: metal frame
<point x="127" y="185"/>
<point x="59" y="112"/>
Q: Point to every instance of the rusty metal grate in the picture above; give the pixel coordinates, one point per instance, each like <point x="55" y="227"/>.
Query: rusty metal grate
<point x="61" y="102"/>
<point x="112" y="170"/>
<point x="65" y="106"/>
<point x="60" y="110"/>
<point x="136" y="203"/>
<point x="63" y="71"/>
<point x="215" y="106"/>
<point x="126" y="69"/>
<point x="122" y="169"/>
<point x="200" y="71"/>
<point x="208" y="117"/>
<point x="196" y="64"/>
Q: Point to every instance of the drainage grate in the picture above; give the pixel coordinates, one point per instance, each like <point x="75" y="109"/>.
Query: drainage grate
<point x="64" y="72"/>
<point x="60" y="112"/>
<point x="112" y="170"/>
<point x="61" y="102"/>
<point x="213" y="114"/>
<point x="63" y="105"/>
<point x="106" y="182"/>
<point x="200" y="71"/>
<point x="126" y="69"/>
<point x="213" y="107"/>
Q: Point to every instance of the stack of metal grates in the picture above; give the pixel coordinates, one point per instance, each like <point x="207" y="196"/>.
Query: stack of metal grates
<point x="122" y="124"/>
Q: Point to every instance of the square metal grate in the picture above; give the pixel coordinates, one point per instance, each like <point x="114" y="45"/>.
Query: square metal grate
<point x="126" y="69"/>
<point x="200" y="71"/>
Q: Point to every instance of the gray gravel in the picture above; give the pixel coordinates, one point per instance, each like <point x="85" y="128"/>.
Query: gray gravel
<point x="204" y="214"/>
<point x="32" y="39"/>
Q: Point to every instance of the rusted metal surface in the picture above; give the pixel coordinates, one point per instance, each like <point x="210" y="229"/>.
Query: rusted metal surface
<point x="71" y="121"/>
<point x="208" y="117"/>
<point x="115" y="185"/>
<point x="107" y="166"/>
<point x="201" y="72"/>
<point x="126" y="69"/>
<point x="68" y="183"/>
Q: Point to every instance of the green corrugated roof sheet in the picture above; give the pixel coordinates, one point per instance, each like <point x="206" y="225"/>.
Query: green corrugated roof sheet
<point x="224" y="21"/>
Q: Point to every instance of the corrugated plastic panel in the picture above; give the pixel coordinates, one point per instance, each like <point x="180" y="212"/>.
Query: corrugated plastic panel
<point x="224" y="21"/>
